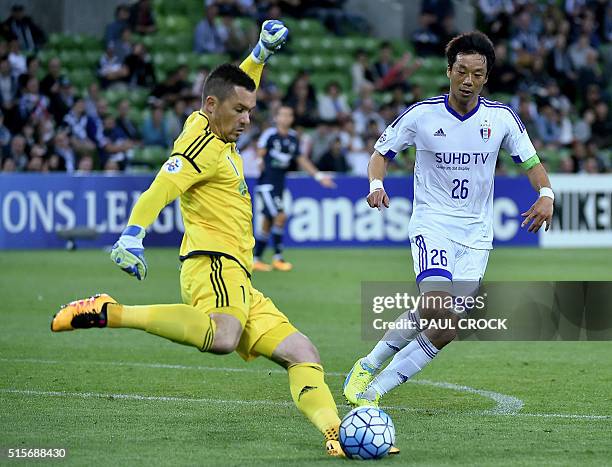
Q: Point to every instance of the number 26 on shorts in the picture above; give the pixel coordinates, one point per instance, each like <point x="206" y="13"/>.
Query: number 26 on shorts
<point x="438" y="258"/>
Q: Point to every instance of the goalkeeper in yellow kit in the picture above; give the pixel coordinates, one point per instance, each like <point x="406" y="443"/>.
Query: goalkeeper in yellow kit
<point x="223" y="312"/>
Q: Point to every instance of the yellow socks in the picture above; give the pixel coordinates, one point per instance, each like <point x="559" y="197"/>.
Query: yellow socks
<point x="183" y="324"/>
<point x="313" y="398"/>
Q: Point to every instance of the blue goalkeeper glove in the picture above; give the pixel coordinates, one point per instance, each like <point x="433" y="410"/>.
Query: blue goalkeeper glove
<point x="272" y="37"/>
<point x="128" y="252"/>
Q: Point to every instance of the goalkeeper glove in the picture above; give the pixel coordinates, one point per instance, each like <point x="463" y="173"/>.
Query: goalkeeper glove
<point x="128" y="252"/>
<point x="273" y="35"/>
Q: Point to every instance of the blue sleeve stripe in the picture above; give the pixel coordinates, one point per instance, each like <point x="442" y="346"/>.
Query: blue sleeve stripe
<point x="517" y="160"/>
<point x="434" y="272"/>
<point x="390" y="154"/>
<point x="432" y="100"/>
<point x="502" y="106"/>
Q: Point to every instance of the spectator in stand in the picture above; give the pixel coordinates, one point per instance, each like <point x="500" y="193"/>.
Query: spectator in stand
<point x="366" y="112"/>
<point x="591" y="166"/>
<point x="37" y="162"/>
<point x="111" y="70"/>
<point x="361" y="73"/>
<point x="49" y="84"/>
<point x="237" y="39"/>
<point x="398" y="102"/>
<point x="18" y="61"/>
<point x="358" y="156"/>
<point x="333" y="105"/>
<point x="93" y="94"/>
<point x="579" y="52"/>
<point x="210" y="34"/>
<point x="22" y="28"/>
<point x="334" y="160"/>
<point x="123" y="46"/>
<point x="302" y="97"/>
<point x="525" y="43"/>
<point x="62" y="147"/>
<point x="174" y="87"/>
<point x="384" y="64"/>
<point x="33" y="106"/>
<point x="497" y="18"/>
<point x="155" y="128"/>
<point x="117" y="149"/>
<point x="45" y="131"/>
<point x="602" y="125"/>
<point x="549" y="127"/>
<point x="76" y="121"/>
<point x="8" y="165"/>
<point x="61" y="102"/>
<point x="114" y="30"/>
<point x="95" y="127"/>
<point x="32" y="69"/>
<point x="17" y="152"/>
<point x="126" y="127"/>
<point x="8" y="91"/>
<point x="176" y="119"/>
<point x="567" y="166"/>
<point x="426" y="41"/>
<point x="5" y="135"/>
<point x="389" y="74"/>
<point x="140" y="67"/>
<point x="529" y="116"/>
<point x="86" y="165"/>
<point x="582" y="127"/>
<point x="142" y="20"/>
<point x="503" y="78"/>
<point x="560" y="67"/>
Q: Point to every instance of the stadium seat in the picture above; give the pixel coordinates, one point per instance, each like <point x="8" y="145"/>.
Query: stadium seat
<point x="151" y="156"/>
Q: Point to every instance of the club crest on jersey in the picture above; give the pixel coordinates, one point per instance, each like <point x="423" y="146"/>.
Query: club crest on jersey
<point x="485" y="131"/>
<point x="242" y="188"/>
<point x="173" y="165"/>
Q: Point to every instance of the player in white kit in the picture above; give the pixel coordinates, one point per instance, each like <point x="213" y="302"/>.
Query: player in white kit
<point x="457" y="138"/>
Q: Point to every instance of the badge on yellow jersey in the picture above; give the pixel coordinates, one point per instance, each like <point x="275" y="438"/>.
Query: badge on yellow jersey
<point x="173" y="165"/>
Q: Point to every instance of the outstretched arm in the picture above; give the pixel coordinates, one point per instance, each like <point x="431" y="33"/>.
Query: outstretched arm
<point x="128" y="251"/>
<point x="307" y="166"/>
<point x="542" y="210"/>
<point x="377" y="169"/>
<point x="272" y="37"/>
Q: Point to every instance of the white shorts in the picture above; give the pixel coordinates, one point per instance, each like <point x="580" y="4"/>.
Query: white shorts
<point x="440" y="262"/>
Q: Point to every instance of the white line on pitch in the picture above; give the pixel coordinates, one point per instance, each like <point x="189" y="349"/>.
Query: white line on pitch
<point x="505" y="404"/>
<point x="141" y="397"/>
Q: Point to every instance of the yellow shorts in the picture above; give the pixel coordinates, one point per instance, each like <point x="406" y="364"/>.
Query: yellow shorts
<point x="216" y="284"/>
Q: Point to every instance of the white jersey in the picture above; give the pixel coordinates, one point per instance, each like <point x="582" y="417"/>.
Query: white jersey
<point x="455" y="164"/>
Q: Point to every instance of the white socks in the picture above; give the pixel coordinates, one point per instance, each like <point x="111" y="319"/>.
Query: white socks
<point x="408" y="362"/>
<point x="394" y="340"/>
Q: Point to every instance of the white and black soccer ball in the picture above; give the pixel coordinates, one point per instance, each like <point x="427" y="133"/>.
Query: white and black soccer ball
<point x="367" y="433"/>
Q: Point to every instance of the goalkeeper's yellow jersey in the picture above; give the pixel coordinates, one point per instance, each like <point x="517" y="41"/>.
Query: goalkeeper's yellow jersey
<point x="215" y="201"/>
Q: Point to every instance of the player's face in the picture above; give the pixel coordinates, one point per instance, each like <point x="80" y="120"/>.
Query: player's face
<point x="284" y="117"/>
<point x="229" y="118"/>
<point x="467" y="77"/>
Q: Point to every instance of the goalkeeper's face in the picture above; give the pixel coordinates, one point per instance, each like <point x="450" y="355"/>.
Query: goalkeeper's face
<point x="231" y="116"/>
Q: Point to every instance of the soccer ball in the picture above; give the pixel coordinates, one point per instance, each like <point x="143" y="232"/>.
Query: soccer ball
<point x="367" y="433"/>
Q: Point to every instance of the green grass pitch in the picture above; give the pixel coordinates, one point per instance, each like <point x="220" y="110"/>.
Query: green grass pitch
<point x="123" y="397"/>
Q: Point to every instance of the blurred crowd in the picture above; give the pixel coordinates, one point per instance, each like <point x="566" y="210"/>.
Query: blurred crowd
<point x="554" y="61"/>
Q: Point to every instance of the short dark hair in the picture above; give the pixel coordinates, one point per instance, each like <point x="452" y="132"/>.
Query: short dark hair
<point x="221" y="81"/>
<point x="474" y="42"/>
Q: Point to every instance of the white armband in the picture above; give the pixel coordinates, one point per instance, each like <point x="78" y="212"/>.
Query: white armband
<point x="376" y="184"/>
<point x="545" y="191"/>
